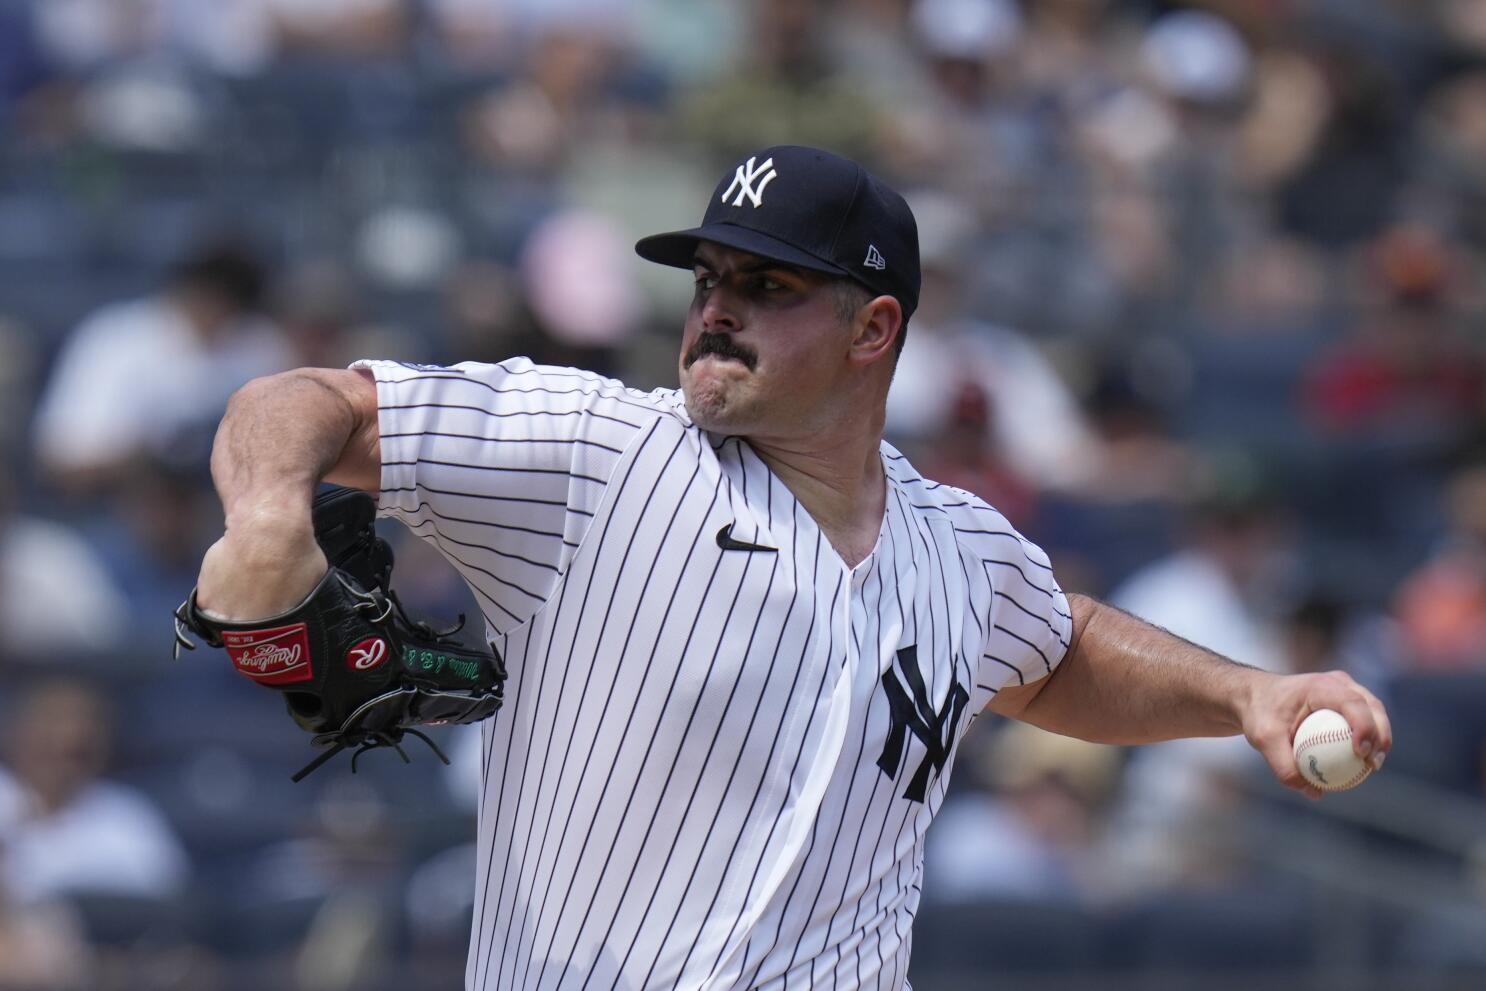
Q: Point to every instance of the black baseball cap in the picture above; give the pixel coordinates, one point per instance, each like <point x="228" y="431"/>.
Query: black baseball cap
<point x="807" y="207"/>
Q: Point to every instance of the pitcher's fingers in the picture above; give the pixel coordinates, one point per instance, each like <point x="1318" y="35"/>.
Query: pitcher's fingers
<point x="1279" y="752"/>
<point x="1337" y="690"/>
<point x="1384" y="742"/>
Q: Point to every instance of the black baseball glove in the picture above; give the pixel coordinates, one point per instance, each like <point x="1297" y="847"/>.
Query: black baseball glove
<point x="353" y="668"/>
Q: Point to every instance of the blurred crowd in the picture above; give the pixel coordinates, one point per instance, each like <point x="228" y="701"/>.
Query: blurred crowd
<point x="1202" y="314"/>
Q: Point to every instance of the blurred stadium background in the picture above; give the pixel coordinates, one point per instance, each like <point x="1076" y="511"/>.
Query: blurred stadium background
<point x="1203" y="315"/>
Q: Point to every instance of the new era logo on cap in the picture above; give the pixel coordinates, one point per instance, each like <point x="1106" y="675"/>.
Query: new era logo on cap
<point x="820" y="212"/>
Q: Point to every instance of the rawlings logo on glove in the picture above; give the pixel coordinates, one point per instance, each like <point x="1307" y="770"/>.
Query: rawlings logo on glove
<point x="275" y="657"/>
<point x="367" y="654"/>
<point x="353" y="668"/>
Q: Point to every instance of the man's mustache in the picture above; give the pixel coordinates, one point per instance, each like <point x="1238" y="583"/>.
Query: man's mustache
<point x="722" y="345"/>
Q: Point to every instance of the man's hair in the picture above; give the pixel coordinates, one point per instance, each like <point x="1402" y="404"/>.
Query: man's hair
<point x="851" y="296"/>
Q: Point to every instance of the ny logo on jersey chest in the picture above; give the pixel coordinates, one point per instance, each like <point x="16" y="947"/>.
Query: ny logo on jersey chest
<point x="913" y="713"/>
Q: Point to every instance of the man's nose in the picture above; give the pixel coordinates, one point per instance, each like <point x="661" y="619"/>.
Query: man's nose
<point x="719" y="313"/>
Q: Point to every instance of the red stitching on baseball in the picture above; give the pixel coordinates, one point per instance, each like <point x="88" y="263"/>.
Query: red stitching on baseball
<point x="1330" y="736"/>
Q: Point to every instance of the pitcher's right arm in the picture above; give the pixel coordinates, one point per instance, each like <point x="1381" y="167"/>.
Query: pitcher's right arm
<point x="281" y="436"/>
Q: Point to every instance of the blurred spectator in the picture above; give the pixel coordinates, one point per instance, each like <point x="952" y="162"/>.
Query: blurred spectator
<point x="1036" y="830"/>
<point x="514" y="127"/>
<point x="42" y="948"/>
<point x="234" y="37"/>
<point x="439" y="903"/>
<point x="1197" y="58"/>
<point x="475" y="33"/>
<point x="667" y="32"/>
<point x="1323" y="633"/>
<point x="153" y="535"/>
<point x="1202" y="69"/>
<point x="1032" y="421"/>
<point x="1137" y="458"/>
<point x="1313" y="634"/>
<point x="348" y="870"/>
<point x="573" y="299"/>
<point x="145" y="376"/>
<point x="1408" y="372"/>
<point x="571" y="89"/>
<point x="1441" y="607"/>
<point x="65" y="830"/>
<point x="22" y="65"/>
<point x="43" y="563"/>
<point x="1069" y="44"/>
<point x="786" y="91"/>
<point x="237" y="37"/>
<point x="1345" y="191"/>
<point x="1230" y="583"/>
<point x="1274" y="285"/>
<point x="964" y="454"/>
<point x="483" y="306"/>
<point x="1452" y="132"/>
<point x="19" y="366"/>
<point x="579" y="281"/>
<point x="967" y="107"/>
<point x="79" y="35"/>
<point x="407" y="247"/>
<point x="963" y="123"/>
<point x="1289" y="108"/>
<point x="355" y="28"/>
<point x="315" y="306"/>
<point x="145" y="106"/>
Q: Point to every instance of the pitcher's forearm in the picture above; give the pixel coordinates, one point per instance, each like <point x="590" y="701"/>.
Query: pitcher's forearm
<point x="1125" y="681"/>
<point x="281" y="435"/>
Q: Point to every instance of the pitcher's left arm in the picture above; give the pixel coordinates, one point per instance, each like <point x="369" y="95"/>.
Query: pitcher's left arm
<point x="1124" y="681"/>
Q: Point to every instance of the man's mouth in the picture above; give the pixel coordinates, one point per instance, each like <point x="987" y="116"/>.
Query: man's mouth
<point x="720" y="346"/>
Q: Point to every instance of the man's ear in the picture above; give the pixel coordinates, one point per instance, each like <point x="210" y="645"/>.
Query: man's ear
<point x="875" y="328"/>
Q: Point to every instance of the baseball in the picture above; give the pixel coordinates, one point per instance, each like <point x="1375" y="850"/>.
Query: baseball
<point x="1323" y="752"/>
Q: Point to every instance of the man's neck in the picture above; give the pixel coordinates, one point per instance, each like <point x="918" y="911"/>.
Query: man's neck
<point x="841" y="485"/>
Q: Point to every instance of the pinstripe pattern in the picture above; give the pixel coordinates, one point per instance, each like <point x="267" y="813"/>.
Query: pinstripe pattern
<point x="683" y="789"/>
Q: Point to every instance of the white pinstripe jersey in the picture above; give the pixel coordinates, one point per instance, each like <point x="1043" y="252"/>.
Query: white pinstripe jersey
<point x="715" y="767"/>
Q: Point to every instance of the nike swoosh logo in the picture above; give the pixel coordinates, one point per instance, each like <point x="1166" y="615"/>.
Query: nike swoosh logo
<point x="726" y="542"/>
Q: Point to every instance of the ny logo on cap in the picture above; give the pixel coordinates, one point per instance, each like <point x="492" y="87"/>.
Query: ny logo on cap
<point x="744" y="179"/>
<point x="874" y="258"/>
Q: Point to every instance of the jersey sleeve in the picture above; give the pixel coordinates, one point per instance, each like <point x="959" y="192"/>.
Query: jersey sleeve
<point x="1027" y="623"/>
<point x="501" y="467"/>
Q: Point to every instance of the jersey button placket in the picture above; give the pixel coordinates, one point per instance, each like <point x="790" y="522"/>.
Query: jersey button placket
<point x="852" y="594"/>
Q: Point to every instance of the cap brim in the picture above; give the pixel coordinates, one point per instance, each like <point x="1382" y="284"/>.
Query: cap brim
<point x="679" y="248"/>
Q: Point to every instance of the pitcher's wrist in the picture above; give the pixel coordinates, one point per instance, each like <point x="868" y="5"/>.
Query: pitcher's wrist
<point x="268" y="535"/>
<point x="1246" y="696"/>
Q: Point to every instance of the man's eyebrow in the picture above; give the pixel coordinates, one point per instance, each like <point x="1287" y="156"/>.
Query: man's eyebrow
<point x="752" y="268"/>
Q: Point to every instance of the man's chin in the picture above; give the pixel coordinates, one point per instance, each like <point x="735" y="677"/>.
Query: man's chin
<point x="707" y="404"/>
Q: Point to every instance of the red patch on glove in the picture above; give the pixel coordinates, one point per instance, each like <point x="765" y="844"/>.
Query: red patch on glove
<point x="276" y="656"/>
